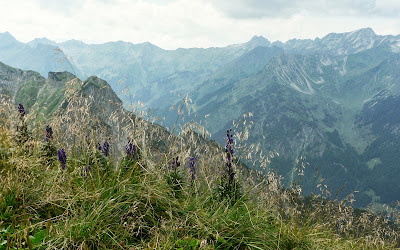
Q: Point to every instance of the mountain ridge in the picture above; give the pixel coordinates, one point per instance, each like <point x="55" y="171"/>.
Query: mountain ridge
<point x="254" y="39"/>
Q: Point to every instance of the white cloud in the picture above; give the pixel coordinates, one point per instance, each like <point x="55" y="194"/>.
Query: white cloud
<point x="60" y="6"/>
<point x="197" y="23"/>
<point x="247" y="9"/>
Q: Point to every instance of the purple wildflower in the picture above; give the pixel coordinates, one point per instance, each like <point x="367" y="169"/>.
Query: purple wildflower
<point x="49" y="133"/>
<point x="175" y="163"/>
<point x="62" y="157"/>
<point x="229" y="155"/>
<point x="229" y="142"/>
<point x="192" y="169"/>
<point x="106" y="148"/>
<point x="130" y="149"/>
<point x="85" y="171"/>
<point x="21" y="110"/>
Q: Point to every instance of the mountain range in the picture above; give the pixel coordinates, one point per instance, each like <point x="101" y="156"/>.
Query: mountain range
<point x="331" y="101"/>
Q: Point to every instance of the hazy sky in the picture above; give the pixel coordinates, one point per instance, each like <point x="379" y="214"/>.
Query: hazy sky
<point x="193" y="23"/>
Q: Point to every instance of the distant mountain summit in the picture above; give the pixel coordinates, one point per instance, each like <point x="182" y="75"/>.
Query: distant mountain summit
<point x="258" y="41"/>
<point x="44" y="41"/>
<point x="343" y="43"/>
<point x="7" y="41"/>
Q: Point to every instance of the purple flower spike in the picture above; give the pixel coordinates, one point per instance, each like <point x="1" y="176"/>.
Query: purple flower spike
<point x="49" y="133"/>
<point x="175" y="163"/>
<point x="85" y="171"/>
<point x="106" y="148"/>
<point x="62" y="157"/>
<point x="192" y="169"/>
<point x="229" y="142"/>
<point x="21" y="109"/>
<point x="229" y="154"/>
<point x="130" y="149"/>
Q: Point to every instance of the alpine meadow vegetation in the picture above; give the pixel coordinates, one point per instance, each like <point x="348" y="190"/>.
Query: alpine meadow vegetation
<point x="66" y="184"/>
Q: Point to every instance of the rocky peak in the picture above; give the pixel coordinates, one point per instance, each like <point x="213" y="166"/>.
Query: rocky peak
<point x="105" y="101"/>
<point x="258" y="41"/>
<point x="337" y="43"/>
<point x="35" y="42"/>
<point x="366" y="32"/>
<point x="277" y="44"/>
<point x="7" y="40"/>
<point x="95" y="81"/>
<point x="7" y="36"/>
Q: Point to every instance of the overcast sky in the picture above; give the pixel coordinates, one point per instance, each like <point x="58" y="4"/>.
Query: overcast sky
<point x="170" y="24"/>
